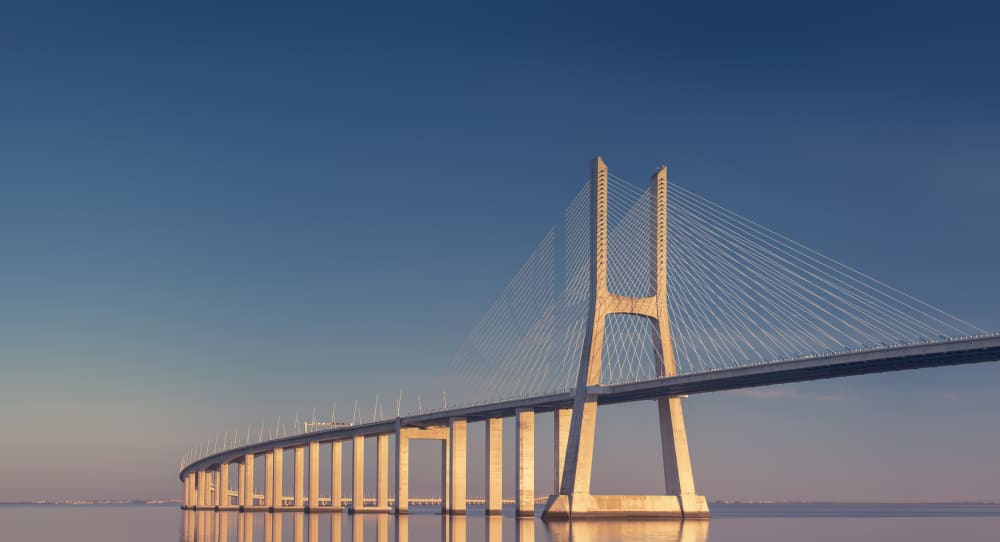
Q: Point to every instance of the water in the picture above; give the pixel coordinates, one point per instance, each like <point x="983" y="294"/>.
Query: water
<point x="733" y="522"/>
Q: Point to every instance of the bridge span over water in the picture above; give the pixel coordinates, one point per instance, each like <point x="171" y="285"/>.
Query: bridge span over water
<point x="588" y="321"/>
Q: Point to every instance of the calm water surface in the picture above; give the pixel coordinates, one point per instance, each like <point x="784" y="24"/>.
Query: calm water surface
<point x="743" y="523"/>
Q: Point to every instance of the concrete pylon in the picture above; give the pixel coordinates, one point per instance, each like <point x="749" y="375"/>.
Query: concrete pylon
<point x="573" y="498"/>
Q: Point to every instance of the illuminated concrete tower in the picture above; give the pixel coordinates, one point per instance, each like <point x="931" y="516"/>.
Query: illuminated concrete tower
<point x="574" y="498"/>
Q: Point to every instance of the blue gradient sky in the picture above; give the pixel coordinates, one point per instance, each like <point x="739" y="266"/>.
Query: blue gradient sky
<point x="213" y="214"/>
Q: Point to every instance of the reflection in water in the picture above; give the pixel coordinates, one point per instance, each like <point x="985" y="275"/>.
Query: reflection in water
<point x="494" y="528"/>
<point x="636" y="530"/>
<point x="403" y="528"/>
<point x="525" y="530"/>
<point x="276" y="522"/>
<point x="209" y="526"/>
<point x="313" y="528"/>
<point x="732" y="523"/>
<point x="336" y="527"/>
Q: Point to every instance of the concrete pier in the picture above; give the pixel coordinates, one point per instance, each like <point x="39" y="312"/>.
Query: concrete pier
<point x="524" y="462"/>
<point x="298" y="479"/>
<point x="457" y="436"/>
<point x="201" y="491"/>
<point x="494" y="465"/>
<point x="269" y="479"/>
<point x="402" y="482"/>
<point x="222" y="487"/>
<point x="560" y="433"/>
<point x="247" y="499"/>
<point x="313" y="475"/>
<point x="336" y="474"/>
<point x="445" y="474"/>
<point x="402" y="471"/>
<point x="278" y="499"/>
<point x="382" y="478"/>
<point x="358" y="463"/>
<point x="188" y="483"/>
<point x="241" y="483"/>
<point x="679" y="477"/>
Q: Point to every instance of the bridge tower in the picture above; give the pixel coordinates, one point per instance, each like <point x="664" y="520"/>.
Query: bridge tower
<point x="574" y="498"/>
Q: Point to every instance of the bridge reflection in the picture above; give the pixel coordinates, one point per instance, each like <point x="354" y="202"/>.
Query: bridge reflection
<point x="211" y="526"/>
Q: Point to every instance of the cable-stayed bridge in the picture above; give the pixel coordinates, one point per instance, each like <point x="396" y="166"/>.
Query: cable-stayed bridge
<point x="632" y="295"/>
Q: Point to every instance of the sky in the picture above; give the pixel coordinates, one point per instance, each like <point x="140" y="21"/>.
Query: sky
<point x="216" y="214"/>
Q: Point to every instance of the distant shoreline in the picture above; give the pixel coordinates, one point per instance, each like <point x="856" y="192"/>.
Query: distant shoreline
<point x="95" y="502"/>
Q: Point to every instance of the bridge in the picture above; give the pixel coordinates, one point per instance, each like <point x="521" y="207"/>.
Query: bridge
<point x="631" y="296"/>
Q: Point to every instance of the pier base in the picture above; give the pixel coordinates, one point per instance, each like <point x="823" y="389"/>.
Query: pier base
<point x="369" y="510"/>
<point x="622" y="506"/>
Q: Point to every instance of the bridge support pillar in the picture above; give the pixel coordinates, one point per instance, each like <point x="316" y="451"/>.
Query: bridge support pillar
<point x="445" y="473"/>
<point x="278" y="499"/>
<point x="200" y="490"/>
<point x="206" y="497"/>
<point x="560" y="434"/>
<point x="358" y="463"/>
<point x="402" y="483"/>
<point x="269" y="479"/>
<point x="188" y="483"/>
<point x="458" y="445"/>
<point x="241" y="483"/>
<point x="209" y="489"/>
<point x="382" y="493"/>
<point x="524" y="462"/>
<point x="402" y="470"/>
<point x="382" y="476"/>
<point x="298" y="482"/>
<point x="336" y="473"/>
<point x="313" y="475"/>
<point x="494" y="465"/>
<point x="677" y="472"/>
<point x="247" y="498"/>
<point x="222" y="486"/>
